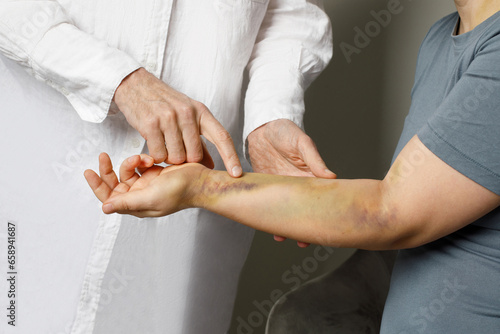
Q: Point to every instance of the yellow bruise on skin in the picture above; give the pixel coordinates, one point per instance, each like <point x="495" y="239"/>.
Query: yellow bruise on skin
<point x="395" y="172"/>
<point x="217" y="186"/>
<point x="323" y="210"/>
<point x="412" y="156"/>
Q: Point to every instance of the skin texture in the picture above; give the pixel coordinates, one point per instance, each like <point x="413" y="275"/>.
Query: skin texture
<point x="413" y="205"/>
<point x="280" y="147"/>
<point x="172" y="123"/>
<point x="169" y="121"/>
<point x="473" y="12"/>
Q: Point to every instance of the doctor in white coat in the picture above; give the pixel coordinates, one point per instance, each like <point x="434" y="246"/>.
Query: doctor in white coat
<point x="126" y="77"/>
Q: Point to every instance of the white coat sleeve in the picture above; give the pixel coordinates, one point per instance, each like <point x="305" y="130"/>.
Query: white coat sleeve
<point x="293" y="46"/>
<point x="40" y="36"/>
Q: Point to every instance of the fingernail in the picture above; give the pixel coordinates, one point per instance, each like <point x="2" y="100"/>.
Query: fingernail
<point x="108" y="208"/>
<point x="237" y="171"/>
<point x="131" y="159"/>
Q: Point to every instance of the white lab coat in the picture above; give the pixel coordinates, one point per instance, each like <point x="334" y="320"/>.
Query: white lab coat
<point x="77" y="270"/>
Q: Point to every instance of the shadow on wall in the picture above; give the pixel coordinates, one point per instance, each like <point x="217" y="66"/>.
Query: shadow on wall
<point x="345" y="104"/>
<point x="355" y="114"/>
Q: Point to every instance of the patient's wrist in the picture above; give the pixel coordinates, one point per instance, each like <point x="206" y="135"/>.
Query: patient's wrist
<point x="197" y="194"/>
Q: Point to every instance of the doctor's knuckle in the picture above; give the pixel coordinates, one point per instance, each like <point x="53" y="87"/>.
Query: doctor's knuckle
<point x="186" y="109"/>
<point x="222" y="135"/>
<point x="233" y="156"/>
<point x="151" y="122"/>
<point x="203" y="108"/>
<point x="169" y="116"/>
<point x="177" y="158"/>
<point x="187" y="114"/>
<point x="159" y="154"/>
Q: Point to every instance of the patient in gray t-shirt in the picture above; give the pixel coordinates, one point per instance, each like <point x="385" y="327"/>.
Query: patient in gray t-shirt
<point x="438" y="202"/>
<point x="452" y="285"/>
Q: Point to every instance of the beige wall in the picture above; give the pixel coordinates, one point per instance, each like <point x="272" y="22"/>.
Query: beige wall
<point x="355" y="113"/>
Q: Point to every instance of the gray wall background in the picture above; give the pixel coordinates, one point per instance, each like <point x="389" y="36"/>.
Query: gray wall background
<point x="355" y="114"/>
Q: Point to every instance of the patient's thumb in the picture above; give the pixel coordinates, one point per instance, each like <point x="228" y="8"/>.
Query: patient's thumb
<point x="108" y="208"/>
<point x="126" y="203"/>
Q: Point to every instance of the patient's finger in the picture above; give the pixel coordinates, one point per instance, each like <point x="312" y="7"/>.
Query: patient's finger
<point x="146" y="163"/>
<point x="127" y="170"/>
<point x="150" y="174"/>
<point x="106" y="171"/>
<point x="99" y="187"/>
<point x="120" y="188"/>
<point x="129" y="203"/>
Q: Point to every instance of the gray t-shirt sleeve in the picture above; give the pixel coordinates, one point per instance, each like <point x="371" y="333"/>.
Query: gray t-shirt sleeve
<point x="465" y="130"/>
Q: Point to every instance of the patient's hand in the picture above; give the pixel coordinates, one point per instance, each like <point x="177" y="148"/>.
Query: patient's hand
<point x="156" y="192"/>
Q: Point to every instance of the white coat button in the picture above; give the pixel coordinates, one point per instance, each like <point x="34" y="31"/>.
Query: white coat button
<point x="136" y="143"/>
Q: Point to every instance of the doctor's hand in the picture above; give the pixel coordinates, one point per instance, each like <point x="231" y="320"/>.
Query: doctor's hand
<point x="281" y="147"/>
<point x="172" y="123"/>
<point x="158" y="191"/>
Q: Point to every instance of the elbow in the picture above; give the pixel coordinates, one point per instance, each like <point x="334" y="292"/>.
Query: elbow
<point x="402" y="230"/>
<point x="397" y="228"/>
<point x="377" y="220"/>
<point x="406" y="240"/>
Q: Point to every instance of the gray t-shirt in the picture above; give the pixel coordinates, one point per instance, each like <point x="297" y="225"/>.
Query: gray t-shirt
<point x="452" y="285"/>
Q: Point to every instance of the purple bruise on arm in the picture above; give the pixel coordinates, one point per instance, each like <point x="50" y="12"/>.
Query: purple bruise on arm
<point x="221" y="188"/>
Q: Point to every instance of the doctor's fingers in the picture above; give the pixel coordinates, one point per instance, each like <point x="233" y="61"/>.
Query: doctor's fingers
<point x="313" y="159"/>
<point x="175" y="140"/>
<point x="182" y="132"/>
<point x="279" y="238"/>
<point x="176" y="153"/>
<point x="207" y="160"/>
<point x="188" y="123"/>
<point x="156" y="143"/>
<point x="215" y="133"/>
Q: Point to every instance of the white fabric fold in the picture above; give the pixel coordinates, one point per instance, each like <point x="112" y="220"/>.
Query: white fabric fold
<point x="81" y="271"/>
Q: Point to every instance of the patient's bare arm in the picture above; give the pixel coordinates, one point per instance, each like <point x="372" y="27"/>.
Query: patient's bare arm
<point x="403" y="210"/>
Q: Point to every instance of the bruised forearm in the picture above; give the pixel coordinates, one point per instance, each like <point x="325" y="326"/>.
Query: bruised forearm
<point x="414" y="204"/>
<point x="339" y="213"/>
